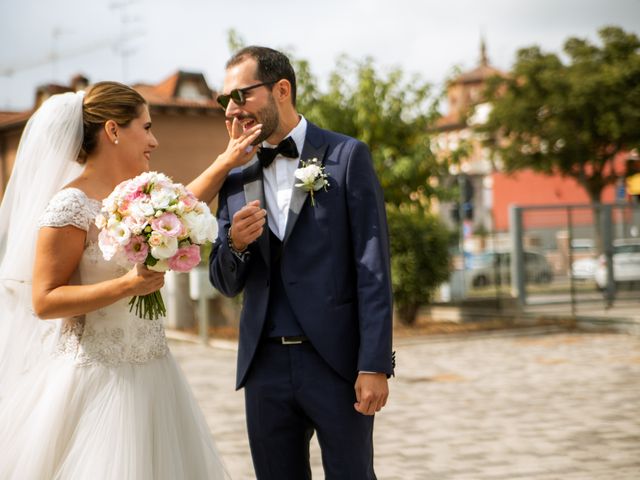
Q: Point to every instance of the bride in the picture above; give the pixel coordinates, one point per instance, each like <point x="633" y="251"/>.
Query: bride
<point x="87" y="389"/>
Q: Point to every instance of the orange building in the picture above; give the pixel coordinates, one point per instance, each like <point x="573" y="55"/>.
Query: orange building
<point x="493" y="191"/>
<point x="528" y="188"/>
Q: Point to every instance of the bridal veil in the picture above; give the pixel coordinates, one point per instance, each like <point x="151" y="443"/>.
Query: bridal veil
<point x="45" y="162"/>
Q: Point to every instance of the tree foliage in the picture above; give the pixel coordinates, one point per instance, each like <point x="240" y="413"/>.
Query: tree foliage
<point x="570" y="117"/>
<point x="235" y="41"/>
<point x="419" y="259"/>
<point x="388" y="112"/>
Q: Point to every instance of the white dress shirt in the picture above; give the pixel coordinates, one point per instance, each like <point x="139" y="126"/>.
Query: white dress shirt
<point x="278" y="179"/>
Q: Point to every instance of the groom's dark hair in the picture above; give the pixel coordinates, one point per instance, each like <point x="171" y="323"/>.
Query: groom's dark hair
<point x="272" y="65"/>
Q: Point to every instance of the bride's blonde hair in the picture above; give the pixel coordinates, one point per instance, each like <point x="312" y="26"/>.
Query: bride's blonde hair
<point x="107" y="101"/>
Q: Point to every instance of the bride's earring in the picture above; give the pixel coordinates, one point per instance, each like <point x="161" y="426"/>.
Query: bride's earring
<point x="116" y="141"/>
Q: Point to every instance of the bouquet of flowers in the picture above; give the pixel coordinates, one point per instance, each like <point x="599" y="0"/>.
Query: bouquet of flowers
<point x="151" y="220"/>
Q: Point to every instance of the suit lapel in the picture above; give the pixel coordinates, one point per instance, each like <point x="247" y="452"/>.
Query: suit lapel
<point x="254" y="190"/>
<point x="313" y="148"/>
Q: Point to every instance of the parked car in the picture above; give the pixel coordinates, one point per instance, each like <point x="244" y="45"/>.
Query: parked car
<point x="585" y="261"/>
<point x="584" y="269"/>
<point x="495" y="267"/>
<point x="626" y="263"/>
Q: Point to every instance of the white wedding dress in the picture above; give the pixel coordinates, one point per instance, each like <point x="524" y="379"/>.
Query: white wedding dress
<point x="109" y="400"/>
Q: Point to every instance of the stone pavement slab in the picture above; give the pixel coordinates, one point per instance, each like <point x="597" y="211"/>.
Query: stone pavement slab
<point x="558" y="406"/>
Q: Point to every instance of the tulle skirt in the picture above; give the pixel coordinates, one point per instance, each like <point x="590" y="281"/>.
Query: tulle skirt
<point x="130" y="422"/>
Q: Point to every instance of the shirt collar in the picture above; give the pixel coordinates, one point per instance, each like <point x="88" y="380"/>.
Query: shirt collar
<point x="298" y="135"/>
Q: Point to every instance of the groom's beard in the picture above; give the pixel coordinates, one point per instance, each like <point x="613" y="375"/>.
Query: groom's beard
<point x="269" y="117"/>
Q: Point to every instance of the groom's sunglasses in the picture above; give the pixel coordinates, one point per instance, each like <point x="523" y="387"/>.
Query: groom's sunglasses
<point x="238" y="95"/>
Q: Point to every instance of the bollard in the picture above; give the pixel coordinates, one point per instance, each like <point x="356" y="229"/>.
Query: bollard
<point x="200" y="289"/>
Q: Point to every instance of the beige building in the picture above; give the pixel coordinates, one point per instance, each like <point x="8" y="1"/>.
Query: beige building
<point x="187" y="122"/>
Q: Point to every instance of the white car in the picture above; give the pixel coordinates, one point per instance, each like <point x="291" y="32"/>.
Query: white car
<point x="584" y="259"/>
<point x="490" y="268"/>
<point x="584" y="269"/>
<point x="626" y="263"/>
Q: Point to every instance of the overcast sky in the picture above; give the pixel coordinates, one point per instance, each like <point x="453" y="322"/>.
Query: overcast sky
<point x="427" y="37"/>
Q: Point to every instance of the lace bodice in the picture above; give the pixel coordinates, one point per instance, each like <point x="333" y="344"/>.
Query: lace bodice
<point x="111" y="335"/>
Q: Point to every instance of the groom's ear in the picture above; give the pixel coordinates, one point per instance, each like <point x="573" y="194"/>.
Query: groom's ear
<point x="282" y="91"/>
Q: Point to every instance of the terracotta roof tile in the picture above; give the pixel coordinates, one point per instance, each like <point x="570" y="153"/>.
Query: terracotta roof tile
<point x="157" y="99"/>
<point x="160" y="95"/>
<point x="478" y="74"/>
<point x="167" y="88"/>
<point x="9" y="119"/>
<point x="164" y="94"/>
<point x="53" y="89"/>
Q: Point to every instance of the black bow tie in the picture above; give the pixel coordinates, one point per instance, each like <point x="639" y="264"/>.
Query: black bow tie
<point x="286" y="148"/>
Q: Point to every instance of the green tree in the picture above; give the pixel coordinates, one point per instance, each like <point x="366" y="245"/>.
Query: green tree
<point x="391" y="115"/>
<point x="419" y="259"/>
<point x="235" y="41"/>
<point x="570" y="117"/>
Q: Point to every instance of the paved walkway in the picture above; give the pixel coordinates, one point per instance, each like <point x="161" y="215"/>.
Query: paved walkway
<point x="559" y="406"/>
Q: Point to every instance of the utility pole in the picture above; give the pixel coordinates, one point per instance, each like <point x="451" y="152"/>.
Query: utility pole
<point x="128" y="32"/>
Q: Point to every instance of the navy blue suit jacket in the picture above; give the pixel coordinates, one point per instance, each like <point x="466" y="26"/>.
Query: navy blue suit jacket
<point x="335" y="261"/>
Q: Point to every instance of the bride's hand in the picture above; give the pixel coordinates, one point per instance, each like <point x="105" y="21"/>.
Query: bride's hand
<point x="240" y="148"/>
<point x="142" y="281"/>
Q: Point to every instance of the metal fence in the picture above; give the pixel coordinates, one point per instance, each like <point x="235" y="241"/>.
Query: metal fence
<point x="575" y="255"/>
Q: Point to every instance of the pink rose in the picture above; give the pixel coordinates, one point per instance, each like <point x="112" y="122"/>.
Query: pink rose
<point x="168" y="224"/>
<point x="185" y="258"/>
<point x="135" y="224"/>
<point x="123" y="209"/>
<point x="189" y="200"/>
<point x="137" y="249"/>
<point x="133" y="196"/>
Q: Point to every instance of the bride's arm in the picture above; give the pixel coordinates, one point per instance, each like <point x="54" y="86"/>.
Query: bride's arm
<point x="239" y="151"/>
<point x="58" y="253"/>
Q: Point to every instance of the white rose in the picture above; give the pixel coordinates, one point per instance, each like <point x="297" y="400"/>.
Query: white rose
<point x="110" y="204"/>
<point x="160" y="198"/>
<point x="201" y="226"/>
<point x="135" y="224"/>
<point x="166" y="249"/>
<point x="308" y="174"/>
<point x="156" y="239"/>
<point x="142" y="209"/>
<point x="118" y="231"/>
<point x="210" y="230"/>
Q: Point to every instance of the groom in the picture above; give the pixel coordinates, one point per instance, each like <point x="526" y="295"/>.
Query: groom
<point x="315" y="330"/>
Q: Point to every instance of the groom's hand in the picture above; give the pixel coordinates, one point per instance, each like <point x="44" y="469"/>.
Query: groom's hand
<point x="247" y="225"/>
<point x="372" y="391"/>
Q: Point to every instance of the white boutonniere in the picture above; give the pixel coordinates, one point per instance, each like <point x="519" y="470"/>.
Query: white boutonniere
<point x="312" y="177"/>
